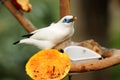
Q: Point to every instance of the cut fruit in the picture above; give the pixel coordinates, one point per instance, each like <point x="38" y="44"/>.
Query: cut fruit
<point x="23" y="5"/>
<point x="48" y="65"/>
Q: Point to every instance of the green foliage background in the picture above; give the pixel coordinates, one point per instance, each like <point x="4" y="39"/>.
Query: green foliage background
<point x="13" y="58"/>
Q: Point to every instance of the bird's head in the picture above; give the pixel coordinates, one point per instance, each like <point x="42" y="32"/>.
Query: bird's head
<point x="68" y="20"/>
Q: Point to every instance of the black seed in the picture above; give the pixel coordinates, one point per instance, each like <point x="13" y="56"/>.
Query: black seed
<point x="34" y="71"/>
<point x="35" y="75"/>
<point x="37" y="71"/>
<point x="100" y="58"/>
<point x="58" y="74"/>
<point x="53" y="69"/>
<point x="61" y="50"/>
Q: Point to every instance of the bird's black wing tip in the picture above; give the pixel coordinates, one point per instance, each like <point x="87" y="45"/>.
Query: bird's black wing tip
<point x="16" y="42"/>
<point x="27" y="35"/>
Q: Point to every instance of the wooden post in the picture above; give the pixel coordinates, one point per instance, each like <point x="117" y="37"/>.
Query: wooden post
<point x="64" y="8"/>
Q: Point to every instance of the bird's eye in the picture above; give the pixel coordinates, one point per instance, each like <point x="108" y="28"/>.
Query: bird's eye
<point x="65" y="21"/>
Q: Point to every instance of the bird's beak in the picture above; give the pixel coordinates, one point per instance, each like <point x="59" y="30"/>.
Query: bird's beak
<point x="74" y="18"/>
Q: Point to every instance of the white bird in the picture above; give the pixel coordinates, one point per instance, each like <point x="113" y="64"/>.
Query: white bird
<point x="48" y="37"/>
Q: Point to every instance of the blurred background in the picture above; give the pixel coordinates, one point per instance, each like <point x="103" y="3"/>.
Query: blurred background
<point x="97" y="19"/>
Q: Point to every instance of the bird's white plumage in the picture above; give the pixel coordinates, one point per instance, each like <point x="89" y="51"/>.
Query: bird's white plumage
<point x="50" y="36"/>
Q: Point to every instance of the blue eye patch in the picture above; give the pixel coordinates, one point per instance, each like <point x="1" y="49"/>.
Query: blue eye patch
<point x="67" y="20"/>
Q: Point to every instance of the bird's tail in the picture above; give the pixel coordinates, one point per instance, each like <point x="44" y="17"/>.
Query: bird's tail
<point x="41" y="44"/>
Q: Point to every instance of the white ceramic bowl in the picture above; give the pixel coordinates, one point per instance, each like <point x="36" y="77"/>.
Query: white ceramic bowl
<point x="81" y="53"/>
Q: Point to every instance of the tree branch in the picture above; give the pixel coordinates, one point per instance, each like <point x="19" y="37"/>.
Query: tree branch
<point x="111" y="57"/>
<point x="29" y="27"/>
<point x="97" y="64"/>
